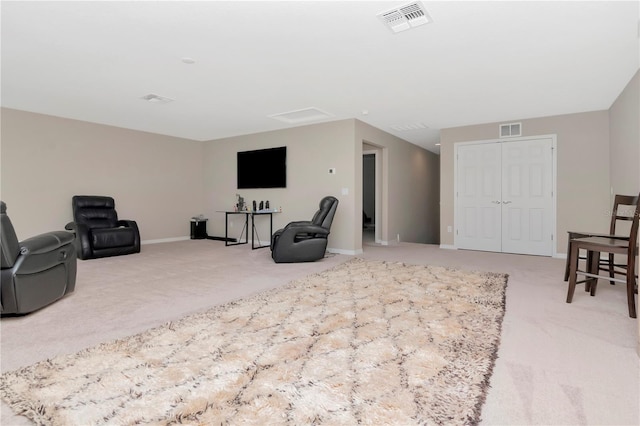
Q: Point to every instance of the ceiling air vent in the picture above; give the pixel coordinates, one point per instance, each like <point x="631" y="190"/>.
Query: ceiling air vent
<point x="408" y="127"/>
<point x="405" y="17"/>
<point x="510" y="130"/>
<point x="302" y="115"/>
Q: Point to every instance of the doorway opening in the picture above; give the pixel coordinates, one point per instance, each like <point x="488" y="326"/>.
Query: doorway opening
<point x="368" y="197"/>
<point x="373" y="214"/>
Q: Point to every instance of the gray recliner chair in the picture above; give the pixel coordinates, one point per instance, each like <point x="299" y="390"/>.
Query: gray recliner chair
<point x="35" y="272"/>
<point x="305" y="241"/>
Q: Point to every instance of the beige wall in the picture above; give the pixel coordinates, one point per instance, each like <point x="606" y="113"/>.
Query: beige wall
<point x="410" y="181"/>
<point x="162" y="181"/>
<point x="624" y="134"/>
<point x="411" y="178"/>
<point x="156" y="180"/>
<point x="311" y="151"/>
<point x="582" y="169"/>
<point x="624" y="119"/>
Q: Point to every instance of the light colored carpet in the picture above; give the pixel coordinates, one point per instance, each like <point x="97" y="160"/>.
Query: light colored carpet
<point x="367" y="342"/>
<point x="558" y="363"/>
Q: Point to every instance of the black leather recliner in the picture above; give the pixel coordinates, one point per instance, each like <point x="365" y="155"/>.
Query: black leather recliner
<point x="35" y="272"/>
<point x="99" y="233"/>
<point x="305" y="241"/>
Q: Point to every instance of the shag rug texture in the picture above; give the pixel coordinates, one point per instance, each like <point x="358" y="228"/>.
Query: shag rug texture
<point x="367" y="342"/>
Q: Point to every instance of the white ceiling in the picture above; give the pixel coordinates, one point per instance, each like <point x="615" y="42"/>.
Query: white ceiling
<point x="477" y="62"/>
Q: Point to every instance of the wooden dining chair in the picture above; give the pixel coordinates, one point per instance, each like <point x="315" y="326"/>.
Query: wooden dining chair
<point x="622" y="212"/>
<point x="594" y="246"/>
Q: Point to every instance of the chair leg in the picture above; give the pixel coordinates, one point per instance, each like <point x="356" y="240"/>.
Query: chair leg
<point x="567" y="265"/>
<point x="631" y="286"/>
<point x="593" y="266"/>
<point x="612" y="271"/>
<point x="573" y="266"/>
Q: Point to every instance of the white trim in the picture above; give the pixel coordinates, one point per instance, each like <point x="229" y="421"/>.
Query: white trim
<point x="341" y="251"/>
<point x="164" y="240"/>
<point x="448" y="247"/>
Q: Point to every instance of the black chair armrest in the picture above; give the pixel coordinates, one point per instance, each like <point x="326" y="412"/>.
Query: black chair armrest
<point x="133" y="225"/>
<point x="83" y="241"/>
<point x="290" y="232"/>
<point x="127" y="223"/>
<point x="45" y="243"/>
<point x="298" y="224"/>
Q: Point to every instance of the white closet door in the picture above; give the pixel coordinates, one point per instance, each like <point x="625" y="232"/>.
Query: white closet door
<point x="505" y="197"/>
<point x="527" y="197"/>
<point x="478" y="221"/>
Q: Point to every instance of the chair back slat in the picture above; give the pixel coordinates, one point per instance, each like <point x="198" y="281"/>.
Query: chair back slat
<point x="623" y="207"/>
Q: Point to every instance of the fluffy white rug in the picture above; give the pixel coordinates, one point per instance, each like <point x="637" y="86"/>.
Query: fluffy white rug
<point x="367" y="342"/>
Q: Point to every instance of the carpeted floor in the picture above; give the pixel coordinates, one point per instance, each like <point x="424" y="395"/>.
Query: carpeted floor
<point x="558" y="363"/>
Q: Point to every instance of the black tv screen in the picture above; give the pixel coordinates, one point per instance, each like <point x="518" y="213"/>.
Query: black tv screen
<point x="263" y="168"/>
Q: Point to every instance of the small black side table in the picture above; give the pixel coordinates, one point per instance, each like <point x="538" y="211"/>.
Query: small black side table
<point x="245" y="228"/>
<point x="198" y="228"/>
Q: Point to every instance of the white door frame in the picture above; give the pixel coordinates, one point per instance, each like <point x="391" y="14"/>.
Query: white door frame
<point x="553" y="138"/>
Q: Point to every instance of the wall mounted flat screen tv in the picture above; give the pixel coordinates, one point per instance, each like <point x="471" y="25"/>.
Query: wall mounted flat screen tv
<point x="262" y="168"/>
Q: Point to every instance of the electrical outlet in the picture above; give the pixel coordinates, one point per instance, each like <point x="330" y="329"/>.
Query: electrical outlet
<point x="449" y="228"/>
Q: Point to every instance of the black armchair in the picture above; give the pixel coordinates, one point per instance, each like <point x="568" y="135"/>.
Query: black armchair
<point x="99" y="233"/>
<point x="35" y="272"/>
<point x="305" y="241"/>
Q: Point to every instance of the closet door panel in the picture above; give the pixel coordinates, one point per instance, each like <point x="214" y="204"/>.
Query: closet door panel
<point x="479" y="179"/>
<point x="527" y="197"/>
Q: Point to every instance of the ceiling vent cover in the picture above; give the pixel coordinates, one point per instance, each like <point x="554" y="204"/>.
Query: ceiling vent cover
<point x="408" y="127"/>
<point x="405" y="17"/>
<point x="302" y="115"/>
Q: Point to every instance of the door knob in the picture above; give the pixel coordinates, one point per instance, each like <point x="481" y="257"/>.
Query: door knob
<point x="496" y="202"/>
<point x="506" y="202"/>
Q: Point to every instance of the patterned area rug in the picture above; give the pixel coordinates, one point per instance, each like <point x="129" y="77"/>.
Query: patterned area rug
<point x="367" y="342"/>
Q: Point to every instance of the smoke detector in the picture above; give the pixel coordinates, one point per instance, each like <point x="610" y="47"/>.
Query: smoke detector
<point x="405" y="17"/>
<point x="156" y="99"/>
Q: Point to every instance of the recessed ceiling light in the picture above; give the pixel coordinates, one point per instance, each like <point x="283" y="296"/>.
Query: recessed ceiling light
<point x="189" y="61"/>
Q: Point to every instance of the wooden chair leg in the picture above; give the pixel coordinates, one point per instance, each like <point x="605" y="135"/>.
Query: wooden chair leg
<point x="567" y="266"/>
<point x="612" y="271"/>
<point x="631" y="286"/>
<point x="573" y="266"/>
<point x="593" y="267"/>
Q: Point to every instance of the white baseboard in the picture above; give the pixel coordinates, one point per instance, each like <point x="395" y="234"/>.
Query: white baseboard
<point x="164" y="240"/>
<point x="448" y="247"/>
<point x="347" y="252"/>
